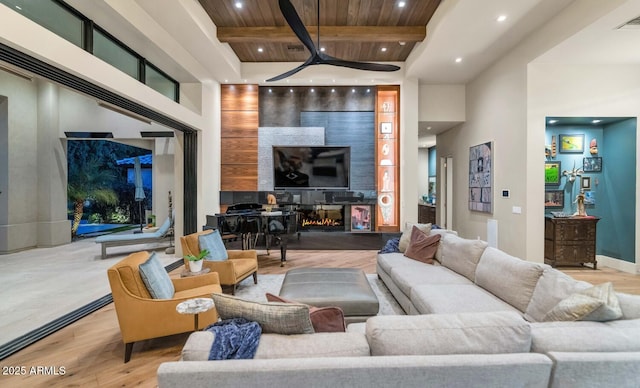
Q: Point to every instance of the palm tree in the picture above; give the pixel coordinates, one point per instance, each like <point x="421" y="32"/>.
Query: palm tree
<point x="89" y="181"/>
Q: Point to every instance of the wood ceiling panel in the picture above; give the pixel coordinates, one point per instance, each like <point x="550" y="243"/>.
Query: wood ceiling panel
<point x="257" y="21"/>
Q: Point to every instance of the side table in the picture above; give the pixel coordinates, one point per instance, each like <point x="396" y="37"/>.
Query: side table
<point x="195" y="306"/>
<point x="186" y="273"/>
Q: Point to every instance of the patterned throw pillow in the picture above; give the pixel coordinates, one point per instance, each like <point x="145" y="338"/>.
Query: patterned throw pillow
<point x="213" y="243"/>
<point x="599" y="303"/>
<point x="156" y="278"/>
<point x="323" y="319"/>
<point x="277" y="318"/>
<point x="422" y="247"/>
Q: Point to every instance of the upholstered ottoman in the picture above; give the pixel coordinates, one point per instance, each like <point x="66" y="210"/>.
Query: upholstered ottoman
<point x="346" y="288"/>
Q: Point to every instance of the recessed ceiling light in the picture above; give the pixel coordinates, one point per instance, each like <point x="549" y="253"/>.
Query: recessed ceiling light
<point x="225" y="81"/>
<point x="428" y="128"/>
<point x="290" y="90"/>
<point x="552" y="121"/>
<point x="501" y="18"/>
<point x="596" y="121"/>
<point x="260" y="49"/>
<point x="238" y="4"/>
<point x="458" y="60"/>
<point x="312" y="90"/>
<point x="18" y="7"/>
<point x="401" y="43"/>
<point x="270" y="91"/>
<point x="353" y="90"/>
<point x="368" y="90"/>
<point x="383" y="49"/>
<point x="401" y="4"/>
<point x="333" y="90"/>
<point x="322" y="49"/>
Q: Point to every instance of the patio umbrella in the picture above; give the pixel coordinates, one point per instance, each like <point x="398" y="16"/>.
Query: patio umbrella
<point x="139" y="196"/>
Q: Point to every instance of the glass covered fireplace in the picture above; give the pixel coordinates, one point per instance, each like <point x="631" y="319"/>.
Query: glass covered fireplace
<point x="327" y="218"/>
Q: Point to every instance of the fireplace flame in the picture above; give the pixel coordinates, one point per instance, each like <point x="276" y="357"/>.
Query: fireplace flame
<point x="322" y="222"/>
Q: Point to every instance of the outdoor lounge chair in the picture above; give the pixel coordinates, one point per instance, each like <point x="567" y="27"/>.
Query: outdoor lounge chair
<point x="116" y="240"/>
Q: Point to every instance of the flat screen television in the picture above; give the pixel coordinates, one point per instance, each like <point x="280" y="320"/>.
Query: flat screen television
<point x="311" y="167"/>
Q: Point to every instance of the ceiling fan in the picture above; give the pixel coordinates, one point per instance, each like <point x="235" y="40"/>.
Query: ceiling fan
<point x="317" y="57"/>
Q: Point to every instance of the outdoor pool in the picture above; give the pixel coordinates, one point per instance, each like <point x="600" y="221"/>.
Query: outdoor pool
<point x="97" y="228"/>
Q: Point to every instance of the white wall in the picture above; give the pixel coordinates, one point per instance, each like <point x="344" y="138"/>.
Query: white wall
<point x="442" y="103"/>
<point x="409" y="151"/>
<point x="496" y="110"/>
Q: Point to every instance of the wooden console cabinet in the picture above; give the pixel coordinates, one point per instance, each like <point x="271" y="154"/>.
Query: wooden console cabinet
<point x="426" y="214"/>
<point x="570" y="241"/>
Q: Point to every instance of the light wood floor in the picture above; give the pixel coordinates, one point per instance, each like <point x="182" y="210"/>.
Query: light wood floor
<point x="91" y="350"/>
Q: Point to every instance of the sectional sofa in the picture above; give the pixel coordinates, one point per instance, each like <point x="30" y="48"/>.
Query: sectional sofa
<point x="479" y="318"/>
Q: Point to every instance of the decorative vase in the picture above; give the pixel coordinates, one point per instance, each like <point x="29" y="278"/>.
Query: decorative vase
<point x="195" y="266"/>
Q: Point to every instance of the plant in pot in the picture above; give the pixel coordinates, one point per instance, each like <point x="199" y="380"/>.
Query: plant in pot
<point x="195" y="262"/>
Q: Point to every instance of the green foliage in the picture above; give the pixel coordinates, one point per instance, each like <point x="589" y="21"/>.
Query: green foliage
<point x="200" y="256"/>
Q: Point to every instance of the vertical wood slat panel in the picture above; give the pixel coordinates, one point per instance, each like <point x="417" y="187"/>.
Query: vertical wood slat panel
<point x="239" y="138"/>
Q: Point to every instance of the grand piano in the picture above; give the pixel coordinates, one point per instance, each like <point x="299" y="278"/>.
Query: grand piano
<point x="253" y="224"/>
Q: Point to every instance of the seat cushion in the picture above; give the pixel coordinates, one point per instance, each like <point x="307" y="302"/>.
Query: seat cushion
<point x="156" y="278"/>
<point x="436" y="334"/>
<point x="586" y="336"/>
<point x="456" y="298"/>
<point x="408" y="277"/>
<point x="243" y="267"/>
<point x="213" y="243"/>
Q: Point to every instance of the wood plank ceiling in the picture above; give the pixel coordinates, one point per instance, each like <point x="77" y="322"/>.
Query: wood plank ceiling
<point x="356" y="30"/>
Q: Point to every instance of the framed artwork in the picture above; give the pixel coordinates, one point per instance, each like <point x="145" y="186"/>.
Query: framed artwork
<point x="386" y="128"/>
<point x="552" y="173"/>
<point x="589" y="197"/>
<point x="361" y="218"/>
<point x="585" y="183"/>
<point x="572" y="143"/>
<point x="553" y="199"/>
<point x="481" y="178"/>
<point x="593" y="164"/>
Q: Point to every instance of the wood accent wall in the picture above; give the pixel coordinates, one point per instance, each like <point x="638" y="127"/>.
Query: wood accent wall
<point x="239" y="138"/>
<point x="387" y="158"/>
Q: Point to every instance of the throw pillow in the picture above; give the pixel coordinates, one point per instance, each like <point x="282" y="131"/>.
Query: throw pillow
<point x="213" y="243"/>
<point x="323" y="319"/>
<point x="462" y="255"/>
<point x="277" y="318"/>
<point x="422" y="247"/>
<point x="610" y="308"/>
<point x="573" y="308"/>
<point x="599" y="303"/>
<point x="406" y="235"/>
<point x="156" y="278"/>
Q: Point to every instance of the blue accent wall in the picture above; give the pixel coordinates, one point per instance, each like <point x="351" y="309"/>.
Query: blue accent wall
<point x="569" y="160"/>
<point x="432" y="161"/>
<point x="617" y="190"/>
<point x="613" y="188"/>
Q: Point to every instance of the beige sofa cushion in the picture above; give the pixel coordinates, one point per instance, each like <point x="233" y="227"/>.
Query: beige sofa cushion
<point x="586" y="336"/>
<point x="509" y="278"/>
<point x="467" y="333"/>
<point x="456" y="298"/>
<point x="462" y="255"/>
<point x="552" y="287"/>
<point x="443" y="233"/>
<point x="271" y="346"/>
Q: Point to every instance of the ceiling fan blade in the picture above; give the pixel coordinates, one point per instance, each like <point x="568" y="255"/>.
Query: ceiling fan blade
<point x="329" y="60"/>
<point x="294" y="21"/>
<point x="290" y="72"/>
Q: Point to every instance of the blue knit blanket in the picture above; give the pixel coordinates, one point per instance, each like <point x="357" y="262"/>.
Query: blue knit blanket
<point x="391" y="246"/>
<point x="235" y="338"/>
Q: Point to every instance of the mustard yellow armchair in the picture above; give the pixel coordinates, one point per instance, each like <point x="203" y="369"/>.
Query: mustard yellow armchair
<point x="141" y="317"/>
<point x="240" y="265"/>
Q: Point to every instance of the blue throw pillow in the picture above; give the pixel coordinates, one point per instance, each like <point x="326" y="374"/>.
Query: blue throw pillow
<point x="213" y="243"/>
<point x="156" y="278"/>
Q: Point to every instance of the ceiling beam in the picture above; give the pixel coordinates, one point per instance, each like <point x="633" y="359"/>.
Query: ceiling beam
<point x="327" y="34"/>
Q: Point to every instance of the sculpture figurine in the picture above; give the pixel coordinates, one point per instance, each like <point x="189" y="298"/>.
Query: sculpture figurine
<point x="580" y="201"/>
<point x="593" y="147"/>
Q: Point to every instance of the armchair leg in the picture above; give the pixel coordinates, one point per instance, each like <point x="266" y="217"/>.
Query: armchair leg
<point x="255" y="277"/>
<point x="127" y="351"/>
